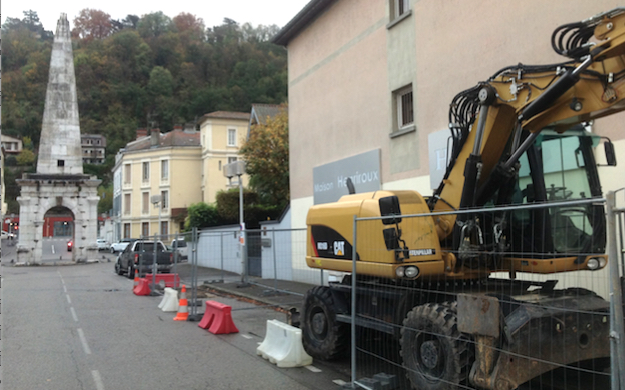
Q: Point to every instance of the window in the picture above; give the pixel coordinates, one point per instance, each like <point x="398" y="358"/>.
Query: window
<point x="164" y="199"/>
<point x="127" y="173"/>
<point x="126" y="230"/>
<point x="60" y="163"/>
<point x="404" y="107"/>
<point x="164" y="227"/>
<point x="126" y="204"/>
<point x="146" y="171"/>
<point x="145" y="229"/>
<point x="231" y="160"/>
<point x="232" y="137"/>
<point x="164" y="170"/>
<point x="145" y="203"/>
<point x="399" y="8"/>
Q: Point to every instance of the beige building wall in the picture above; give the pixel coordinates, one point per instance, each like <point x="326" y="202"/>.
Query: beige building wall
<point x="217" y="152"/>
<point x="181" y="184"/>
<point x="345" y="65"/>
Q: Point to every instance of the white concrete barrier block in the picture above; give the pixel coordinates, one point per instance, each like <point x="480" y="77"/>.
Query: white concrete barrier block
<point x="170" y="300"/>
<point x="283" y="346"/>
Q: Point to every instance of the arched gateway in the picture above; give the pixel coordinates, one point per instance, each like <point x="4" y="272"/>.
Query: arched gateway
<point x="59" y="181"/>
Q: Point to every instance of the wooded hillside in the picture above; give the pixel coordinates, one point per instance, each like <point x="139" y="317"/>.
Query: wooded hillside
<point x="148" y="71"/>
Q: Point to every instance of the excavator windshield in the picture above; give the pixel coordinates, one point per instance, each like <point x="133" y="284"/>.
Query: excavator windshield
<point x="558" y="167"/>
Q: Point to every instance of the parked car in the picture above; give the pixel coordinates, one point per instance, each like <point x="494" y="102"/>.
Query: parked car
<point x="102" y="244"/>
<point x="180" y="245"/>
<point x="139" y="255"/>
<point x="8" y="235"/>
<point x="70" y="245"/>
<point x="120" y="245"/>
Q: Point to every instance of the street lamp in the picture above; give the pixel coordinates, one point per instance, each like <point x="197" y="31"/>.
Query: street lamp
<point x="231" y="170"/>
<point x="156" y="201"/>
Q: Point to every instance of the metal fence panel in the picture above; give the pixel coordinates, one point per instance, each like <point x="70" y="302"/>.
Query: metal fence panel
<point x="508" y="308"/>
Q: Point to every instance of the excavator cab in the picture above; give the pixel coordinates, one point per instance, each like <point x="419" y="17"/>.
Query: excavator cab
<point x="558" y="168"/>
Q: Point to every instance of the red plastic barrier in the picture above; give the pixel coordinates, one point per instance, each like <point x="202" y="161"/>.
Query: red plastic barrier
<point x="143" y="288"/>
<point x="171" y="280"/>
<point x="218" y="317"/>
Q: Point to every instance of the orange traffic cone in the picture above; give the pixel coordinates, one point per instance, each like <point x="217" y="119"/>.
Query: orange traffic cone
<point x="136" y="283"/>
<point x="183" y="310"/>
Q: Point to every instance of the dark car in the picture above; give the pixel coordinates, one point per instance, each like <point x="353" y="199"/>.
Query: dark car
<point x="70" y="245"/>
<point x="140" y="255"/>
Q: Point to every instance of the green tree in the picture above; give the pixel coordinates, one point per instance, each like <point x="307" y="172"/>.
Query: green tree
<point x="154" y="24"/>
<point x="27" y="143"/>
<point x="106" y="199"/>
<point x="25" y="157"/>
<point x="266" y="154"/>
<point x="202" y="215"/>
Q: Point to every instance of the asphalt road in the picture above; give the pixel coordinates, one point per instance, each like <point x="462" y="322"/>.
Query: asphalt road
<point x="80" y="327"/>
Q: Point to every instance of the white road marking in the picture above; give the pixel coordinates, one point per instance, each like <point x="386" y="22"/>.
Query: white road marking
<point x="83" y="340"/>
<point x="68" y="299"/>
<point x="53" y="252"/>
<point x="313" y="368"/>
<point x="247" y="336"/>
<point x="65" y="289"/>
<point x="339" y="382"/>
<point x="71" y="309"/>
<point x="97" y="379"/>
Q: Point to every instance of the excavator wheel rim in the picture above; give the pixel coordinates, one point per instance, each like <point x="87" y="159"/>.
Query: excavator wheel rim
<point x="435" y="354"/>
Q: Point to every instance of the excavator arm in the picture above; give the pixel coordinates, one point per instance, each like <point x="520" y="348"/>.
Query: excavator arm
<point x="496" y="121"/>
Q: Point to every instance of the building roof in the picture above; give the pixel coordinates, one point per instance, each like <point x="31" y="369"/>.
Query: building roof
<point x="226" y="115"/>
<point x="304" y="17"/>
<point x="260" y="113"/>
<point x="173" y="138"/>
<point x="8" y="138"/>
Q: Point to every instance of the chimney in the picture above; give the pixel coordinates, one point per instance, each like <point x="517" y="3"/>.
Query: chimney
<point x="142" y="133"/>
<point x="189" y="127"/>
<point x="155" y="137"/>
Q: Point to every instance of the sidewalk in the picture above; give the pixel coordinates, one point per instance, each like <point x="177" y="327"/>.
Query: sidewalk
<point x="280" y="293"/>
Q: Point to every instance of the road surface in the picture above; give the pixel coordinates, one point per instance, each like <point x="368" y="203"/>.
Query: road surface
<point x="80" y="327"/>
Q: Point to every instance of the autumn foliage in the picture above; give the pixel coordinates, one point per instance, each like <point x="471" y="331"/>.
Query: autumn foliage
<point x="266" y="154"/>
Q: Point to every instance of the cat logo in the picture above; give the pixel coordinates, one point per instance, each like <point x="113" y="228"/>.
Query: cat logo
<point x="339" y="248"/>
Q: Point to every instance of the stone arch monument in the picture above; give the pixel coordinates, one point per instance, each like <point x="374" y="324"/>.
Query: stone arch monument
<point x="59" y="180"/>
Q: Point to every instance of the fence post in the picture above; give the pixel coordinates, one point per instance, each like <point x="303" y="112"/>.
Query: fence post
<point x="353" y="325"/>
<point x="193" y="316"/>
<point x="221" y="247"/>
<point x="275" y="266"/>
<point x="617" y="326"/>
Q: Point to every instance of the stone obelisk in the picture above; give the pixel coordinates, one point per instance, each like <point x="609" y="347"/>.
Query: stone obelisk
<point x="59" y="148"/>
<point x="59" y="184"/>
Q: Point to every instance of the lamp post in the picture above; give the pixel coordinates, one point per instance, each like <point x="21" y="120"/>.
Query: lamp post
<point x="237" y="168"/>
<point x="156" y="201"/>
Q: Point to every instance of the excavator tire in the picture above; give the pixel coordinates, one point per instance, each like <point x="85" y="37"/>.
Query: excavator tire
<point x="434" y="353"/>
<point x="323" y="336"/>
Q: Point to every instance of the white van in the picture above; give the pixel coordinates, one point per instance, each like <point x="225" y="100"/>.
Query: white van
<point x="181" y="245"/>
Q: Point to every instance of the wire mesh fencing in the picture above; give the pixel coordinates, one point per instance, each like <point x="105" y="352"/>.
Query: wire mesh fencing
<point x="273" y="259"/>
<point x="511" y="297"/>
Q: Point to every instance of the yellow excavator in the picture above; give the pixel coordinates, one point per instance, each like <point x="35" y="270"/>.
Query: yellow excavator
<point x="434" y="281"/>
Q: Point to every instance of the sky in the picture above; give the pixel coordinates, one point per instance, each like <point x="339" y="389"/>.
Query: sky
<point x="256" y="12"/>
